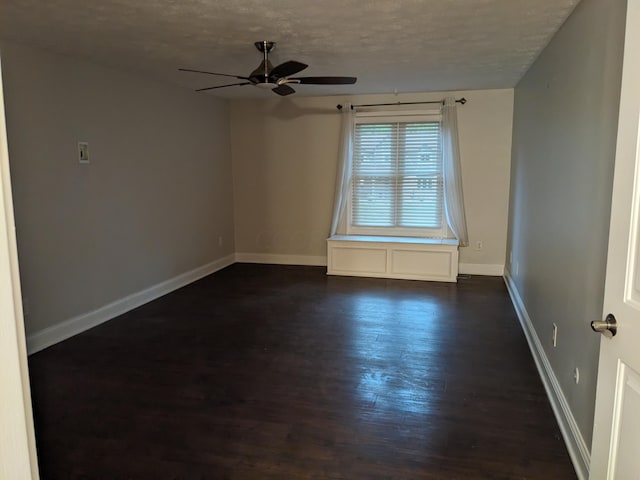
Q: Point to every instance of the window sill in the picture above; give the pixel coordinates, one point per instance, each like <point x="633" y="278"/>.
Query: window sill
<point x="385" y="239"/>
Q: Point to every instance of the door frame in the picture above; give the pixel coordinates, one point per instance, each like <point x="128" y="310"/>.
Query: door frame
<point x="17" y="439"/>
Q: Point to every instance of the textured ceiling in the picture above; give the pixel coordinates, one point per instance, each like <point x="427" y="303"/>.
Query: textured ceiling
<point x="390" y="45"/>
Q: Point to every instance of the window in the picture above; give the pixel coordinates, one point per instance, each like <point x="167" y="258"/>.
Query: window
<point x="397" y="186"/>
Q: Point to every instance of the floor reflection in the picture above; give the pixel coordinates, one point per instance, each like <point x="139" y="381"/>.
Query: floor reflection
<point x="397" y="353"/>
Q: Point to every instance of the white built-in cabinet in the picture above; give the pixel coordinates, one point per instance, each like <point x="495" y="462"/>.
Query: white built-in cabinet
<point x="393" y="257"/>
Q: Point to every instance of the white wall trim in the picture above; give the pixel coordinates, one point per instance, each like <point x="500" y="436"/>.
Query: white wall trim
<point x="279" y="259"/>
<point x="57" y="333"/>
<point x="481" y="269"/>
<point x="578" y="449"/>
<point x="321" y="261"/>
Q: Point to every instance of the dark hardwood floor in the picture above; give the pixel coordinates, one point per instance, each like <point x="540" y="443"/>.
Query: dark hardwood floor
<point x="278" y="372"/>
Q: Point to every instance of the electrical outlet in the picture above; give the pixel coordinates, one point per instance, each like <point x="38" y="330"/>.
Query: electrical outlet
<point x="554" y="337"/>
<point x="479" y="245"/>
<point x="220" y="241"/>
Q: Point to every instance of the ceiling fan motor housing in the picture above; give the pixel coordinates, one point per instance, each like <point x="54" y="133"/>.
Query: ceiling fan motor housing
<point x="261" y="74"/>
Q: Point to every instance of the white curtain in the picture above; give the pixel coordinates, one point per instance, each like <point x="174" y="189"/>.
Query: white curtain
<point x="453" y="199"/>
<point x="345" y="167"/>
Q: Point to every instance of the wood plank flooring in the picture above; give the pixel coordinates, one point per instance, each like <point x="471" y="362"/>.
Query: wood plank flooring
<point x="280" y="372"/>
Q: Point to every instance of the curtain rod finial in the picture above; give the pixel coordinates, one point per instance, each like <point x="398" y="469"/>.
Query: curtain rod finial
<point x="463" y="100"/>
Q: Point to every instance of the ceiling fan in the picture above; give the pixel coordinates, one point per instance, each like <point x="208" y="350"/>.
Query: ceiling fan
<point x="277" y="78"/>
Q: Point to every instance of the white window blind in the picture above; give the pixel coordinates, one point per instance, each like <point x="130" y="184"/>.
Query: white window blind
<point x="397" y="176"/>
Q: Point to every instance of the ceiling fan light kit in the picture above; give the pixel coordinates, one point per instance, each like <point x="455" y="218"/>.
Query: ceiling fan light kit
<point x="268" y="77"/>
<point x="266" y="86"/>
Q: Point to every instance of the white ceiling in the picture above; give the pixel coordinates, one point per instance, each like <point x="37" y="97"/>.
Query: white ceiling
<point x="390" y="45"/>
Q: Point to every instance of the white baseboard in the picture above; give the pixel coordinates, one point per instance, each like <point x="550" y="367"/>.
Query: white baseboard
<point x="321" y="261"/>
<point x="278" y="259"/>
<point x="57" y="333"/>
<point x="481" y="269"/>
<point x="578" y="449"/>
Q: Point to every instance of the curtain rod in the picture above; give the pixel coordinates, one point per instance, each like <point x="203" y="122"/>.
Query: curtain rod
<point x="461" y="101"/>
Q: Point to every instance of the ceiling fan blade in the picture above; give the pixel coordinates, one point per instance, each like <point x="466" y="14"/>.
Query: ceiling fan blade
<point x="283" y="90"/>
<point x="287" y="68"/>
<point x="222" y="86"/>
<point x="213" y="73"/>
<point x="325" y="80"/>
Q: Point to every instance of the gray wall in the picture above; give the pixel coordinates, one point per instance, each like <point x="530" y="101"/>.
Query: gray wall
<point x="565" y="122"/>
<point x="150" y="205"/>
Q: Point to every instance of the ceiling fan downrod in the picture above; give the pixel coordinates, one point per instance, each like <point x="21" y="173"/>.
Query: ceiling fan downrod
<point x="265" y="47"/>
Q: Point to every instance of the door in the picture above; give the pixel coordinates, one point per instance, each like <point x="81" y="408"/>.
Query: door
<point x="615" y="451"/>
<point x="17" y="444"/>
